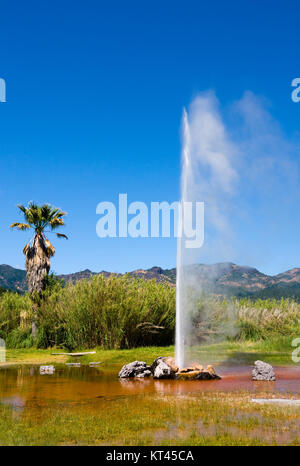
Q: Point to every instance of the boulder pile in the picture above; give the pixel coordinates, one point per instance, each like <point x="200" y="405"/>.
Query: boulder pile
<point x="166" y="368"/>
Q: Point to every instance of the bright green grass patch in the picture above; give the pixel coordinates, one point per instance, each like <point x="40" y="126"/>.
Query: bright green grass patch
<point x="276" y="351"/>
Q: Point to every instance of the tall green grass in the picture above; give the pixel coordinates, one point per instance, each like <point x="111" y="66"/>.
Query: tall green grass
<point x="268" y="318"/>
<point x="114" y="312"/>
<point x="125" y="312"/>
<point x="12" y="307"/>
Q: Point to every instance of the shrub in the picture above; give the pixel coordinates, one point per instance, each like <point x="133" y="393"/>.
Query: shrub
<point x="264" y="319"/>
<point x="12" y="305"/>
<point x="126" y="312"/>
<point x="114" y="312"/>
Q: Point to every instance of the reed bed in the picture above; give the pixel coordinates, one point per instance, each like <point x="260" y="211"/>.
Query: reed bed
<point x="126" y="312"/>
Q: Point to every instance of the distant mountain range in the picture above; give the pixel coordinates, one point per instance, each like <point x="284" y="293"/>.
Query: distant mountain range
<point x="15" y="279"/>
<point x="225" y="279"/>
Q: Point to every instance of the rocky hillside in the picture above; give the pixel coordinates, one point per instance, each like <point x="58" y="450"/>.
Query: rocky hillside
<point x="12" y="279"/>
<point x="225" y="279"/>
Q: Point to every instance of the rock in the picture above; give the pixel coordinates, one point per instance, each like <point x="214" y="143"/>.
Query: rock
<point x="135" y="369"/>
<point x="187" y="375"/>
<point x="207" y="374"/>
<point x="156" y="362"/>
<point x="164" y="368"/>
<point x="171" y="362"/>
<point x="190" y="369"/>
<point x="146" y="373"/>
<point x="167" y="360"/>
<point x="211" y="371"/>
<point x="163" y="371"/>
<point x="198" y="367"/>
<point x="184" y="370"/>
<point x="47" y="370"/>
<point x="263" y="371"/>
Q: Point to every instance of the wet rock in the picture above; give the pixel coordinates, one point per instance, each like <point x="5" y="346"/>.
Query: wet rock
<point x="171" y="362"/>
<point x="164" y="368"/>
<point x="211" y="371"/>
<point x="167" y="360"/>
<point x="135" y="369"/>
<point x="208" y="374"/>
<point x="146" y="373"/>
<point x="192" y="368"/>
<point x="197" y="374"/>
<point x="156" y="362"/>
<point x="263" y="371"/>
<point x="163" y="371"/>
<point x="198" y="367"/>
<point x="187" y="375"/>
<point x="186" y="369"/>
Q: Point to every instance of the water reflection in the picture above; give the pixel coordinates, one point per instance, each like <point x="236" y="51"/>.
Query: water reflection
<point x="25" y="389"/>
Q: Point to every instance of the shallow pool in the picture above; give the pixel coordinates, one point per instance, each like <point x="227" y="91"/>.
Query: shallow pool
<point x="25" y="389"/>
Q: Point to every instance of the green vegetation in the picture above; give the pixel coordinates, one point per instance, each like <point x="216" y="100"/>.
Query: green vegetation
<point x="114" y="312"/>
<point x="206" y="419"/>
<point x="126" y="312"/>
<point x="242" y="352"/>
<point x="13" y="309"/>
<point x="269" y="318"/>
<point x="109" y="358"/>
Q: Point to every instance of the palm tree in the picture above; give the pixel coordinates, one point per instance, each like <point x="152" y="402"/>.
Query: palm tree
<point x="39" y="250"/>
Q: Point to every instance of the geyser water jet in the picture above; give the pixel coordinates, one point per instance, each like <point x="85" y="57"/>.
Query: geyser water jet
<point x="181" y="302"/>
<point x="207" y="176"/>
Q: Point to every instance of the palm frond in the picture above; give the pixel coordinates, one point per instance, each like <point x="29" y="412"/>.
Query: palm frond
<point x="53" y="213"/>
<point x="20" y="226"/>
<point x="22" y="208"/>
<point x="56" y="222"/>
<point x="32" y="215"/>
<point x="48" y="212"/>
<point x="39" y="217"/>
<point x="26" y="249"/>
<point x="50" y="248"/>
<point x="60" y="235"/>
<point x="60" y="214"/>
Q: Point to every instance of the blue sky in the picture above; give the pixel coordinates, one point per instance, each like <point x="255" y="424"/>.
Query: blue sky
<point x="95" y="92"/>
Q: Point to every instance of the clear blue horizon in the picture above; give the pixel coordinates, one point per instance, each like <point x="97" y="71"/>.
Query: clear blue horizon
<point x="95" y="94"/>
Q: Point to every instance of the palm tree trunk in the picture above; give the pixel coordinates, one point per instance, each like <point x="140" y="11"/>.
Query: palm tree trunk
<point x="37" y="267"/>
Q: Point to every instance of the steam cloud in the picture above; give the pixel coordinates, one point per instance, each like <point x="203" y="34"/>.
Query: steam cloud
<point x="245" y="170"/>
<point x="239" y="162"/>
